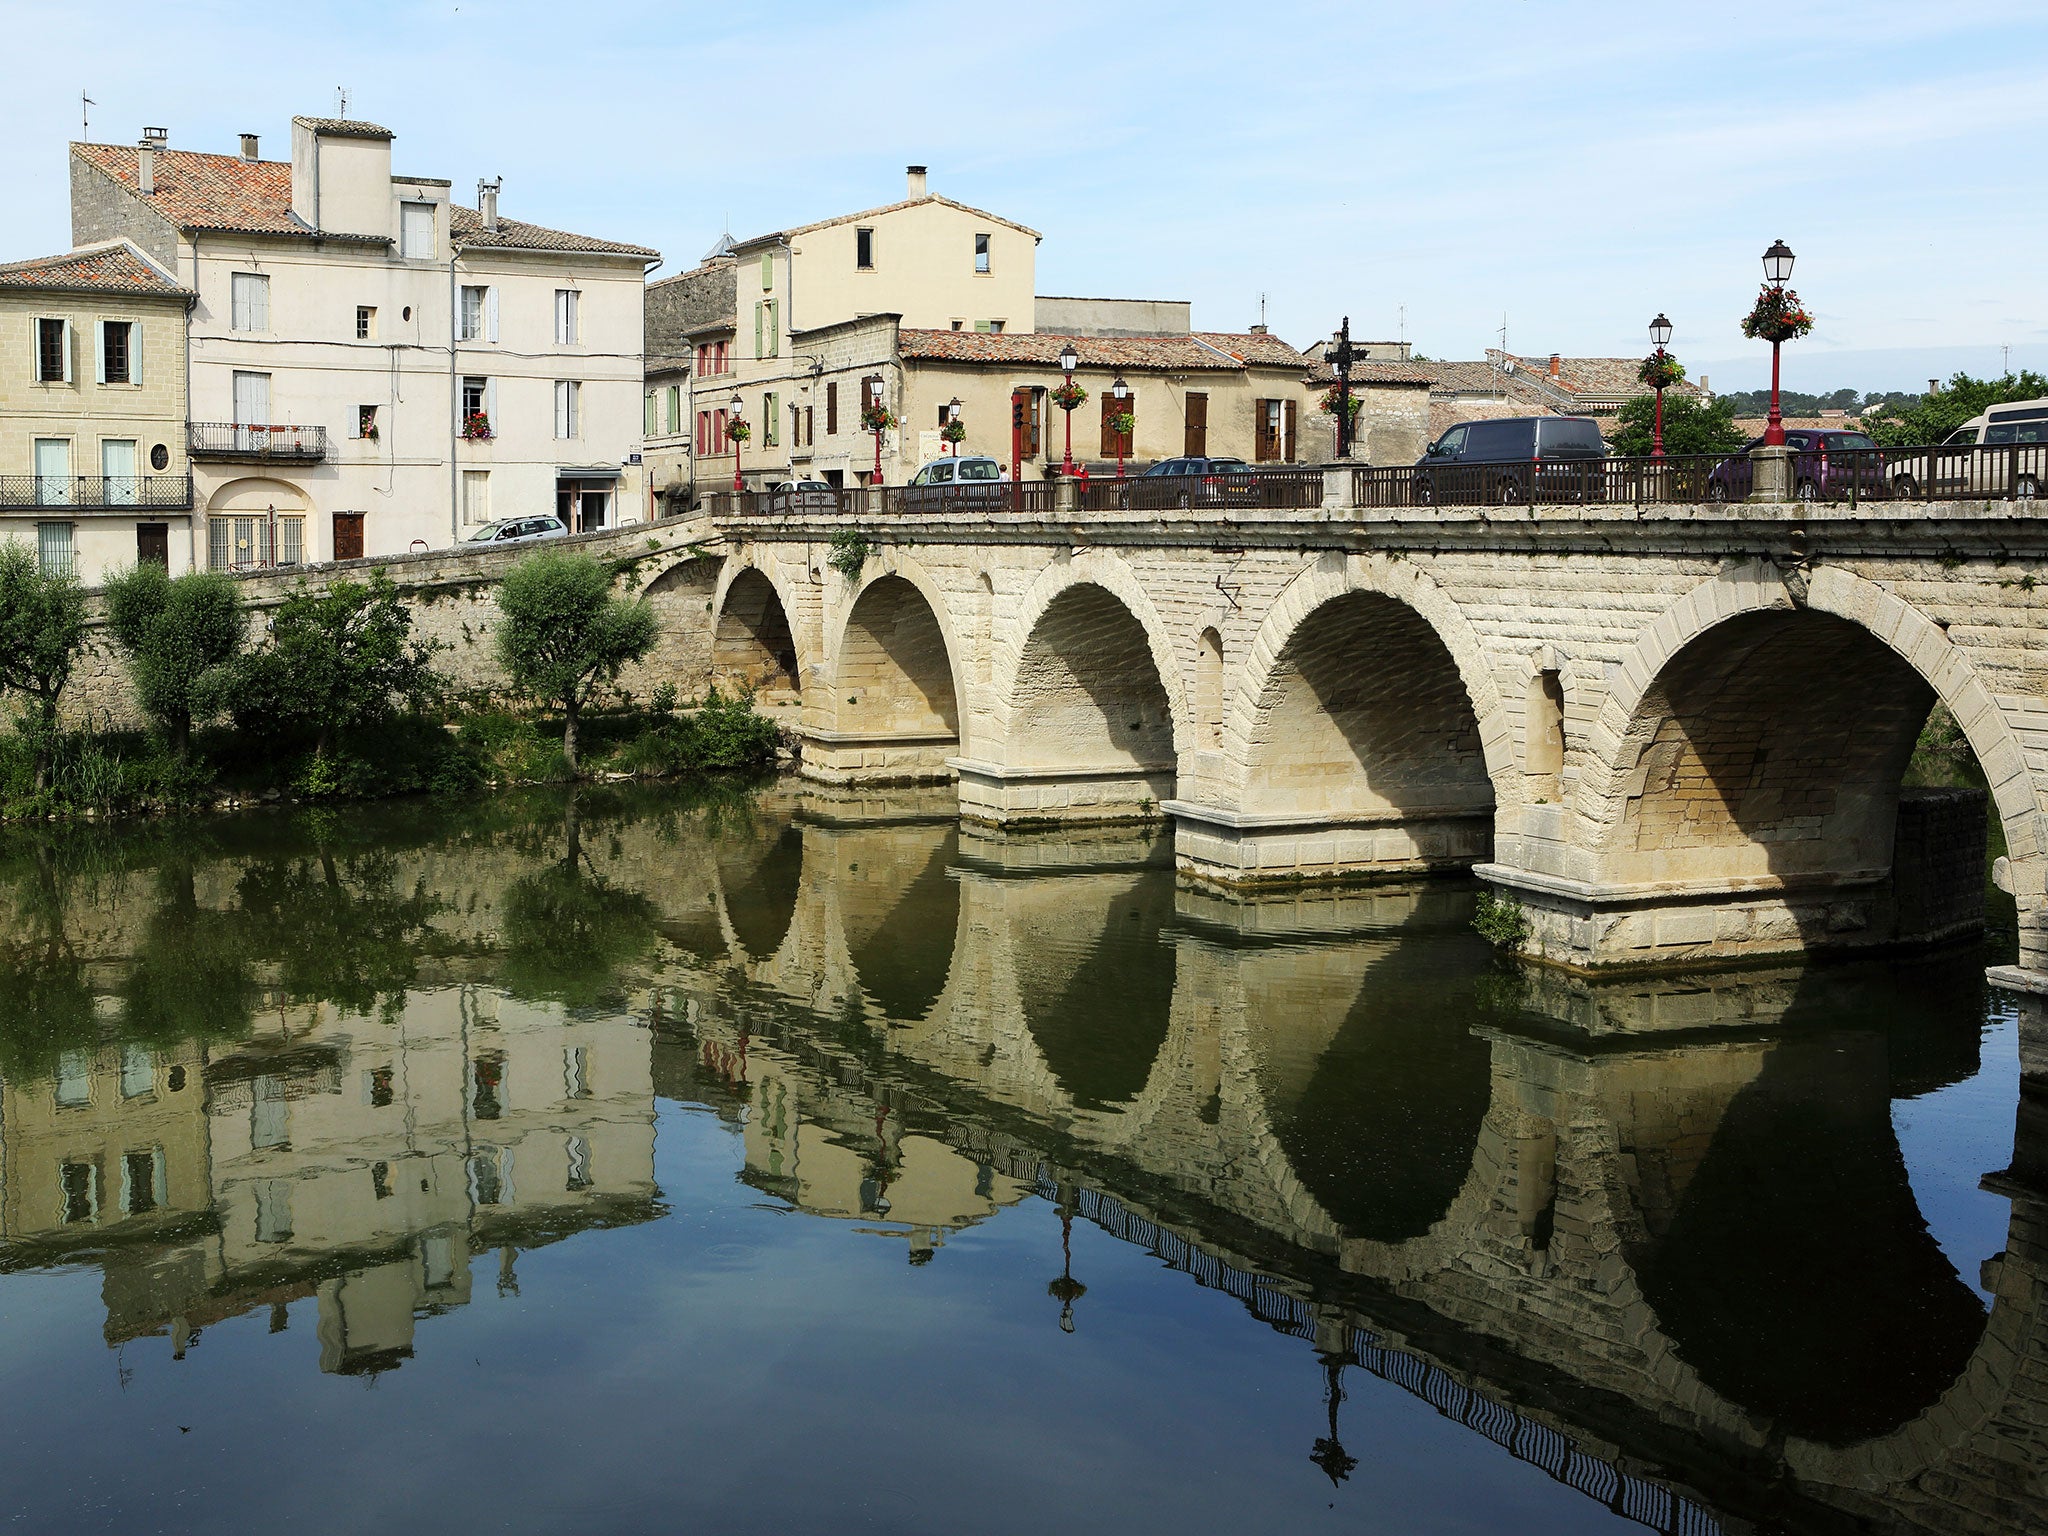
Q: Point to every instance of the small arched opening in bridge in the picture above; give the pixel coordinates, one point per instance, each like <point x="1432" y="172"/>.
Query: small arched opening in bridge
<point x="752" y="647"/>
<point x="1365" y="715"/>
<point x="1089" y="694"/>
<point x="1780" y="744"/>
<point x="761" y="880"/>
<point x="895" y="671"/>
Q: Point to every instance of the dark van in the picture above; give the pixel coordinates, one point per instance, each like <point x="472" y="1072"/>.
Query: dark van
<point x="1513" y="458"/>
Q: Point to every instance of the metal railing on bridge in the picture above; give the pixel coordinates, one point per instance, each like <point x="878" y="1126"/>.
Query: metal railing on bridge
<point x="1292" y="488"/>
<point x="1031" y="498"/>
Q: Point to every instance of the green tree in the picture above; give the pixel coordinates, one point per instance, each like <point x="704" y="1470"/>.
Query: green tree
<point x="1691" y="425"/>
<point x="564" y="633"/>
<point x="337" y="660"/>
<point x="174" y="631"/>
<point x="1930" y="418"/>
<point x="569" y="932"/>
<point x="42" y="634"/>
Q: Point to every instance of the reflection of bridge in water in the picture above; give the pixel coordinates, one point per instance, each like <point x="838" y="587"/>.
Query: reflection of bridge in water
<point x="1635" y="1246"/>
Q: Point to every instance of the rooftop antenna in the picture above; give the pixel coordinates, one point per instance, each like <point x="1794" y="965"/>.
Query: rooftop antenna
<point x="1262" y="309"/>
<point x="341" y="102"/>
<point x="1404" y="323"/>
<point x="85" y="106"/>
<point x="2006" y="350"/>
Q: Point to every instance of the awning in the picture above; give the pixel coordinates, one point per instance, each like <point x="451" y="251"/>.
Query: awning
<point x="587" y="472"/>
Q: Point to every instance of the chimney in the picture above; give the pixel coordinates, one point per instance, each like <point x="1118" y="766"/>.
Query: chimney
<point x="1556" y="366"/>
<point x="1259" y="330"/>
<point x="917" y="191"/>
<point x="1934" y="386"/>
<point x="153" y="139"/>
<point x="249" y="147"/>
<point x="1704" y="388"/>
<point x="487" y="203"/>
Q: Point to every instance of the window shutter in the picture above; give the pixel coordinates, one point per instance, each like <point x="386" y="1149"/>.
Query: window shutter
<point x="491" y="312"/>
<point x="491" y="405"/>
<point x="647" y="427"/>
<point x="767" y="269"/>
<point x="135" y="352"/>
<point x="1287" y="444"/>
<point x="99" y="351"/>
<point x="757" y="331"/>
<point x="832" y="408"/>
<point x="775" y="328"/>
<point x="68" y="344"/>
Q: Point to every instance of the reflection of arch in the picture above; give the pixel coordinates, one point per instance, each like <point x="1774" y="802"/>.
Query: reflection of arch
<point x="1831" y="757"/>
<point x="752" y="647"/>
<point x="761" y="884"/>
<point x="256" y="494"/>
<point x="1092" y="601"/>
<point x="1363" y="712"/>
<point x="894" y="670"/>
<point x="1398" y="586"/>
<point x="902" y="950"/>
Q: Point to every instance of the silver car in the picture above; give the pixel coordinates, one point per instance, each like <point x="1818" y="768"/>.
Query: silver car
<point x="513" y="530"/>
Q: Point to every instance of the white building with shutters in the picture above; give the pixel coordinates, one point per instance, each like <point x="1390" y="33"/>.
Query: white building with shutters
<point x="373" y="367"/>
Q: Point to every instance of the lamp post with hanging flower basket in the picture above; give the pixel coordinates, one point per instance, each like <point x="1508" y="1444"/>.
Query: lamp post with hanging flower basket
<point x="737" y="429"/>
<point x="1660" y="370"/>
<point x="954" y="432"/>
<point x="876" y="418"/>
<point x="1776" y="317"/>
<point x="1123" y="421"/>
<point x="1069" y="397"/>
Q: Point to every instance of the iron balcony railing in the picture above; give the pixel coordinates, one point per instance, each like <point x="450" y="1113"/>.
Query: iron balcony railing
<point x="97" y="493"/>
<point x="256" y="440"/>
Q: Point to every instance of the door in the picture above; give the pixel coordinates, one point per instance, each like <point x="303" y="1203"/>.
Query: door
<point x="252" y="409"/>
<point x="117" y="470"/>
<point x="1195" y="444"/>
<point x="595" y="510"/>
<point x="53" y="472"/>
<point x="153" y="544"/>
<point x="348" y="535"/>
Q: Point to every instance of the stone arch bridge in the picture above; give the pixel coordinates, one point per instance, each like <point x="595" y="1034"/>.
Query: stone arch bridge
<point x="1673" y="733"/>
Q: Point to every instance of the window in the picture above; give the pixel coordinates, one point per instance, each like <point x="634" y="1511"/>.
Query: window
<point x="53" y="351"/>
<point x="1195" y="438"/>
<point x="490" y="1175"/>
<point x="959" y="325"/>
<point x="380" y="1180"/>
<point x="269" y="1114"/>
<point x="378" y="1083"/>
<point x="650" y="424"/>
<point x="767" y="329"/>
<point x="74" y="1079"/>
<point x="250" y="301"/>
<point x="810" y="434"/>
<point x="1273" y="431"/>
<point x="566" y="393"/>
<point x="117" y="470"/>
<point x="578" y="1165"/>
<point x="675" y="410"/>
<point x="138" y="1071"/>
<point x="366" y="422"/>
<point x="487" y="1086"/>
<point x="80" y="1183"/>
<point x="832" y="409"/>
<point x="142" y="1182"/>
<point x="366" y="322"/>
<point x="476" y="496"/>
<point x="478" y="320"/>
<point x="981" y="253"/>
<point x="53" y="471"/>
<point x="771" y="426"/>
<point x="236" y="543"/>
<point x="117" y="352"/>
<point x="989" y="327"/>
<point x="416" y="231"/>
<point x="703" y="432"/>
<point x="864" y="249"/>
<point x="565" y="317"/>
<point x="576" y="1072"/>
<point x="251" y="401"/>
<point x="476" y="397"/>
<point x="55" y="553"/>
<point x="273" y="1210"/>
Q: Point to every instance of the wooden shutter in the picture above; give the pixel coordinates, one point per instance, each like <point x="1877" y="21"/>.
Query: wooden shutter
<point x="1114" y="443"/>
<point x="1264" y="449"/>
<point x="810" y="427"/>
<point x="1287" y="440"/>
<point x="1034" y="425"/>
<point x="832" y="408"/>
<point x="1195" y="443"/>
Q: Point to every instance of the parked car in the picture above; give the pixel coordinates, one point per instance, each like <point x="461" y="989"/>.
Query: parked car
<point x="1826" y="466"/>
<point x="1510" y="459"/>
<point x="513" y="530"/>
<point x="794" y="496"/>
<point x="1196" y="483"/>
<point x="2002" y="451"/>
<point x="971" y="480"/>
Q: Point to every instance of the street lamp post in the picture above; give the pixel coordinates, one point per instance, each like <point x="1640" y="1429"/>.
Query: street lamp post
<point x="739" y="407"/>
<point x="875" y="392"/>
<point x="1660" y="335"/>
<point x="1120" y="392"/>
<point x="1069" y="360"/>
<point x="952" y="420"/>
<point x="1777" y="271"/>
<point x="1340" y="362"/>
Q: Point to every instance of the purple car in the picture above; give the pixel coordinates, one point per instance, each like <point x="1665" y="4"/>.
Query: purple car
<point x="1826" y="466"/>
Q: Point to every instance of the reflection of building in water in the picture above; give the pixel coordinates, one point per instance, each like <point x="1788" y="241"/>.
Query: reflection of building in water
<point x="359" y="1160"/>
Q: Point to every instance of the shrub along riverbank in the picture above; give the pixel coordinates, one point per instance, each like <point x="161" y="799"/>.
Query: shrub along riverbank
<point x="337" y="699"/>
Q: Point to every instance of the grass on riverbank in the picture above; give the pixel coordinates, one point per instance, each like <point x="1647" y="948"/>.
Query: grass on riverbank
<point x="116" y="773"/>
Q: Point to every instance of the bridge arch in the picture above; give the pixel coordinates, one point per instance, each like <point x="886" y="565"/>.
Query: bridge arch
<point x="754" y="641"/>
<point x="895" y="684"/>
<point x="1709" y="762"/>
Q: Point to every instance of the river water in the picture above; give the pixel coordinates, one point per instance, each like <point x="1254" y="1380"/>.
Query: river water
<point x="748" y="1160"/>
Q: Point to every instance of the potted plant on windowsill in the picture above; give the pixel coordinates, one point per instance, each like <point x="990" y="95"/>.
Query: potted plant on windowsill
<point x="476" y="427"/>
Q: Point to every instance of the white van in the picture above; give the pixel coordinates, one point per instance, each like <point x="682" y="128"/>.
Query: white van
<point x="2002" y="451"/>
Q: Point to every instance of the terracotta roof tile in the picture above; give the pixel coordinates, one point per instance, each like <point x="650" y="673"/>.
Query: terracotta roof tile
<point x="195" y="191"/>
<point x="112" y="266"/>
<point x="345" y="128"/>
<point x="1323" y="374"/>
<point x="467" y="225"/>
<point x="1204" y="351"/>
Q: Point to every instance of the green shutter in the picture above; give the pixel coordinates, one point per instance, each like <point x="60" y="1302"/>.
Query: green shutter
<point x="767" y="269"/>
<point x="647" y="422"/>
<point x="758" y="308"/>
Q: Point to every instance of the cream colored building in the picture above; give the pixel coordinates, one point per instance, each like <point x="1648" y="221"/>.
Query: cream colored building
<point x="93" y="470"/>
<point x="375" y="367"/>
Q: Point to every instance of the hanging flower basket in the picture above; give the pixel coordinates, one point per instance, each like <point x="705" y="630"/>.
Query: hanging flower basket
<point x="1352" y="404"/>
<point x="1123" y="423"/>
<point x="476" y="427"/>
<point x="739" y="429"/>
<point x="954" y="432"/>
<point x="1660" y="370"/>
<point x="876" y="418"/>
<point x="1777" y="316"/>
<point x="1070" y="396"/>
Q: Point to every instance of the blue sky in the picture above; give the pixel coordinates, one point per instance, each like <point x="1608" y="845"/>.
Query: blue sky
<point x="1573" y="166"/>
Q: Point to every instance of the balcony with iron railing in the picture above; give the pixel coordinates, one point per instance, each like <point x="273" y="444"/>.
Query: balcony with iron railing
<point x="256" y="440"/>
<point x="97" y="493"/>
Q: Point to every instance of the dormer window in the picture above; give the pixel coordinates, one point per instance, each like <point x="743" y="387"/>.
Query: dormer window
<point x="416" y="231"/>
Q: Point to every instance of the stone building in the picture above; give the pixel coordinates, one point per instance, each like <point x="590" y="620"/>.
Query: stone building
<point x="373" y="366"/>
<point x="691" y="323"/>
<point x="93" y="469"/>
